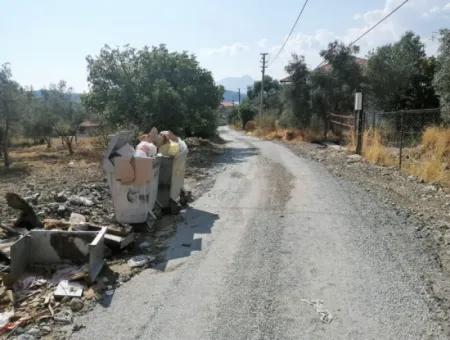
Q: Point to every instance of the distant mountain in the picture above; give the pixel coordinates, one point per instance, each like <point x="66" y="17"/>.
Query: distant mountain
<point x="233" y="96"/>
<point x="234" y="83"/>
<point x="75" y="97"/>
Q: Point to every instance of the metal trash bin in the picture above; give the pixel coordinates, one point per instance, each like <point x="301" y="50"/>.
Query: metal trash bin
<point x="132" y="203"/>
<point x="171" y="177"/>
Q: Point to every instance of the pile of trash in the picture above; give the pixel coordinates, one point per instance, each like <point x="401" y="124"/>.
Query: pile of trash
<point x="51" y="266"/>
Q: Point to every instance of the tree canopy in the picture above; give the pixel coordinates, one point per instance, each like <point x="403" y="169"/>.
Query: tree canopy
<point x="400" y="75"/>
<point x="442" y="76"/>
<point x="153" y="87"/>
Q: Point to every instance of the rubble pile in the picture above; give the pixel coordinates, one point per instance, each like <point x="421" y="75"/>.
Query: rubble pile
<point x="62" y="251"/>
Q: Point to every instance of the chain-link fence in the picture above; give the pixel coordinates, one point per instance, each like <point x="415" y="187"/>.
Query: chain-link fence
<point x="399" y="131"/>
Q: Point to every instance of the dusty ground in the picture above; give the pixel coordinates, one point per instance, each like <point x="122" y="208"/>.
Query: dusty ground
<point x="47" y="178"/>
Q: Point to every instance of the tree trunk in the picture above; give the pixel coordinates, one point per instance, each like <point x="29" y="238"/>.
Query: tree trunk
<point x="49" y="142"/>
<point x="5" y="145"/>
<point x="68" y="142"/>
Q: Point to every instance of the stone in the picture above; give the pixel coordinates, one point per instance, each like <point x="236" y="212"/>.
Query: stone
<point x="429" y="188"/>
<point x="33" y="331"/>
<point x="64" y="316"/>
<point x="61" y="209"/>
<point x="26" y="337"/>
<point x="53" y="206"/>
<point x="46" y="330"/>
<point x="76" y="327"/>
<point x="353" y="158"/>
<point x="80" y="200"/>
<point x="61" y="197"/>
<point x="76" y="305"/>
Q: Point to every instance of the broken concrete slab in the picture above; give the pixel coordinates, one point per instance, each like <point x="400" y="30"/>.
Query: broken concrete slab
<point x="120" y="242"/>
<point x="52" y="247"/>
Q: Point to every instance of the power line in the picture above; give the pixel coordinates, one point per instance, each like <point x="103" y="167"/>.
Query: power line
<point x="379" y="22"/>
<point x="371" y="28"/>
<point x="290" y="33"/>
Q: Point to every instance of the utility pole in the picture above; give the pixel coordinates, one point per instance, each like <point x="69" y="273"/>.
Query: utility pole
<point x="263" y="71"/>
<point x="239" y="96"/>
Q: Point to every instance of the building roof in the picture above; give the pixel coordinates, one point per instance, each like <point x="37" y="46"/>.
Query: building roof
<point x="226" y="104"/>
<point x="88" y="123"/>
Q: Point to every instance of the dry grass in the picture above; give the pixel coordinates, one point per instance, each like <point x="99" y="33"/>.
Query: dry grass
<point x="374" y="151"/>
<point x="268" y="128"/>
<point x="431" y="161"/>
<point x="86" y="149"/>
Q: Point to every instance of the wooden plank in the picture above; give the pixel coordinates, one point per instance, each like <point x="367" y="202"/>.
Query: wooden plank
<point x="341" y="116"/>
<point x="342" y="124"/>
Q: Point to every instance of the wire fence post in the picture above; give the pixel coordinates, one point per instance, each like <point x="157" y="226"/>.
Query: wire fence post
<point x="401" y="141"/>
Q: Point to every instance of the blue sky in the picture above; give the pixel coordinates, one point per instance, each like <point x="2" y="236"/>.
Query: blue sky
<point x="45" y="41"/>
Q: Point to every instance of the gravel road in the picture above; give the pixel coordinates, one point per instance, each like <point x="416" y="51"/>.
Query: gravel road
<point x="279" y="249"/>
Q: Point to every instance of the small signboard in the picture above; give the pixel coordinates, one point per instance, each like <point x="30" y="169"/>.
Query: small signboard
<point x="358" y="101"/>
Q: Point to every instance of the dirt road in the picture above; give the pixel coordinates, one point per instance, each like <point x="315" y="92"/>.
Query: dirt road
<point x="279" y="249"/>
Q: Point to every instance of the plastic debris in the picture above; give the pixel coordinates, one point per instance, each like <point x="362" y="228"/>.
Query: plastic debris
<point x="140" y="260"/>
<point x="4" y="318"/>
<point x="80" y="200"/>
<point x="146" y="149"/>
<point x="67" y="288"/>
<point x="324" y="315"/>
<point x="76" y="219"/>
<point x="170" y="148"/>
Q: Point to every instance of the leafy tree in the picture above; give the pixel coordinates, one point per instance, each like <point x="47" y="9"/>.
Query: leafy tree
<point x="271" y="94"/>
<point x="400" y="75"/>
<point x="11" y="101"/>
<point x="298" y="90"/>
<point x="322" y="96"/>
<point x="247" y="112"/>
<point x="442" y="76"/>
<point x="65" y="113"/>
<point x="346" y="75"/>
<point x="153" y="87"/>
<point x="38" y="122"/>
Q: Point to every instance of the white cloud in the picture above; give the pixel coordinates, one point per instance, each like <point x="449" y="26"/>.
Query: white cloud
<point x="409" y="17"/>
<point x="226" y="50"/>
<point x="262" y="43"/>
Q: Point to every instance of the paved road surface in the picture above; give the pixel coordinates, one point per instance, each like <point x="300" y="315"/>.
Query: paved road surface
<point x="276" y="234"/>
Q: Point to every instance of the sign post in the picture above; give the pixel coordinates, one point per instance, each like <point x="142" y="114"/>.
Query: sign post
<point x="359" y="113"/>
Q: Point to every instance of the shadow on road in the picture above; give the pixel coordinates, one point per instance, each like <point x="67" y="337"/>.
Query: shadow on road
<point x="188" y="235"/>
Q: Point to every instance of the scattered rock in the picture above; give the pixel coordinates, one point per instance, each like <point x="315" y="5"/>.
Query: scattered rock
<point x="353" y="158"/>
<point x="46" y="330"/>
<point x="61" y="210"/>
<point x="429" y="188"/>
<point x="80" y="200"/>
<point x="61" y="197"/>
<point x="33" y="331"/>
<point x="77" y="326"/>
<point x="76" y="305"/>
<point x="64" y="316"/>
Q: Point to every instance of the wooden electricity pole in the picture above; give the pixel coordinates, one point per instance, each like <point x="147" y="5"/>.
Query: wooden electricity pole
<point x="263" y="71"/>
